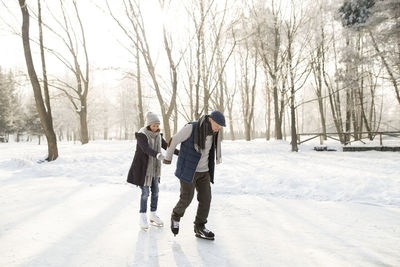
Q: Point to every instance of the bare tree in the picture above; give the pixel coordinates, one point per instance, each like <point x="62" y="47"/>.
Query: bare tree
<point x="220" y="93"/>
<point x="248" y="86"/>
<point x="173" y="75"/>
<point x="269" y="35"/>
<point x="383" y="27"/>
<point x="297" y="64"/>
<point x="268" y="102"/>
<point x="188" y="85"/>
<point x="354" y="75"/>
<point x="42" y="105"/>
<point x="388" y="68"/>
<point x="77" y="91"/>
<point x="138" y="36"/>
<point x="317" y="69"/>
<point x="230" y="99"/>
<point x="211" y="53"/>
<point x="359" y="18"/>
<point x="126" y="117"/>
<point x="362" y="98"/>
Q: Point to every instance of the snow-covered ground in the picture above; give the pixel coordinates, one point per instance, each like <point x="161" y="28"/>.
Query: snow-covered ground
<point x="270" y="207"/>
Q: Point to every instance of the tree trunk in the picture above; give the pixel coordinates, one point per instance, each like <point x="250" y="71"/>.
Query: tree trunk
<point x="45" y="117"/>
<point x="175" y="119"/>
<point x="248" y="92"/>
<point x="322" y="114"/>
<point x="105" y="133"/>
<point x="84" y="127"/>
<point x="317" y="66"/>
<point x="333" y="90"/>
<point x="268" y="133"/>
<point x="278" y="121"/>
<point x="139" y="89"/>
<point x="231" y="130"/>
<point x="293" y="122"/>
<point x="293" y="129"/>
<point x="348" y="116"/>
<point x="362" y="109"/>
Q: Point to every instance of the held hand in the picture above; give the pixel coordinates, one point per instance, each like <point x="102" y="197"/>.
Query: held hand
<point x="160" y="156"/>
<point x="166" y="161"/>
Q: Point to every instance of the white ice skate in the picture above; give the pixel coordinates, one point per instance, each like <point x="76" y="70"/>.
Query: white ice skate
<point x="143" y="221"/>
<point x="155" y="220"/>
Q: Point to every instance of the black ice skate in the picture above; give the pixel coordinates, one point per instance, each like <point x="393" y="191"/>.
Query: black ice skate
<point x="174" y="227"/>
<point x="202" y="232"/>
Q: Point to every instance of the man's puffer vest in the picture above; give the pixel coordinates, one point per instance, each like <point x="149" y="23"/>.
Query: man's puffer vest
<point x="189" y="158"/>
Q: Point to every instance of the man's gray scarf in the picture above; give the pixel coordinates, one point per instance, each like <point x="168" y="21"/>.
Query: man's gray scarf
<point x="218" y="147"/>
<point x="153" y="165"/>
<point x="203" y="129"/>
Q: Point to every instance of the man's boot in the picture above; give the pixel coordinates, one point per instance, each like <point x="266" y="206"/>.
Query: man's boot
<point x="202" y="232"/>
<point x="174" y="226"/>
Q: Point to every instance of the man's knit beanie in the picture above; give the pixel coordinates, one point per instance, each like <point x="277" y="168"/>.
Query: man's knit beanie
<point x="218" y="117"/>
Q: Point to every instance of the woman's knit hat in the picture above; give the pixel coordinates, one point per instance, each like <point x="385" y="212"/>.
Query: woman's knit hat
<point x="151" y="118"/>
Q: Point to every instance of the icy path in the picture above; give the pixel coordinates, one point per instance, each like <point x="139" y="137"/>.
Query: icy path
<point x="57" y="222"/>
<point x="270" y="207"/>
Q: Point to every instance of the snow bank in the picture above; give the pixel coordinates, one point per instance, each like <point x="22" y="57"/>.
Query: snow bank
<point x="267" y="169"/>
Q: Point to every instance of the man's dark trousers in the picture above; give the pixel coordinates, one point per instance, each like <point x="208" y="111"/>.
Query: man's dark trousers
<point x="201" y="182"/>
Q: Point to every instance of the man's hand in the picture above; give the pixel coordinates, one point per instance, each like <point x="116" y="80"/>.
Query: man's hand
<point x="166" y="161"/>
<point x="160" y="156"/>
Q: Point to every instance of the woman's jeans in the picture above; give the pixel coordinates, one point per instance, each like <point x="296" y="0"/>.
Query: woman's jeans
<point x="145" y="196"/>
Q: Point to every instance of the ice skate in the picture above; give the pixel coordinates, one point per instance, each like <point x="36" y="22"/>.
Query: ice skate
<point x="143" y="221"/>
<point x="202" y="232"/>
<point x="174" y="227"/>
<point x="155" y="220"/>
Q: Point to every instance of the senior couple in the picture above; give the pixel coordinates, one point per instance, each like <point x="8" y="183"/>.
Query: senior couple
<point x="200" y="148"/>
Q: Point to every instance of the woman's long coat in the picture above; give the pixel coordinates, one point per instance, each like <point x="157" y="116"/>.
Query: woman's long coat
<point x="137" y="172"/>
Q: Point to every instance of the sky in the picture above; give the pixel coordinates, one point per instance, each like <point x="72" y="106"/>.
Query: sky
<point x="103" y="35"/>
<point x="104" y="38"/>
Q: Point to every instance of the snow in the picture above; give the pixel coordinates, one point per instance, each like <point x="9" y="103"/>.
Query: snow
<point x="270" y="207"/>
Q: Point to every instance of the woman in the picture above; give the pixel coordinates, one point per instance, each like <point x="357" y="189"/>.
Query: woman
<point x="145" y="170"/>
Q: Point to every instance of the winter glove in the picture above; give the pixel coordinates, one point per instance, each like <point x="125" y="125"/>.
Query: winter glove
<point x="166" y="161"/>
<point x="160" y="156"/>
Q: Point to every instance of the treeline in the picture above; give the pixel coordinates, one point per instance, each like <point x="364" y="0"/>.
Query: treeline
<point x="280" y="66"/>
<point x="16" y="118"/>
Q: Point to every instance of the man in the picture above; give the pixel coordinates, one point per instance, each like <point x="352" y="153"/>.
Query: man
<point x="200" y="145"/>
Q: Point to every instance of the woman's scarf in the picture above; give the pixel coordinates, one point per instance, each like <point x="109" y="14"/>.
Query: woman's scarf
<point x="153" y="165"/>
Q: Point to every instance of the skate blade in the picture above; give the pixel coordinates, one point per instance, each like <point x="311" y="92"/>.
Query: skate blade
<point x="204" y="237"/>
<point x="156" y="224"/>
<point x="174" y="233"/>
